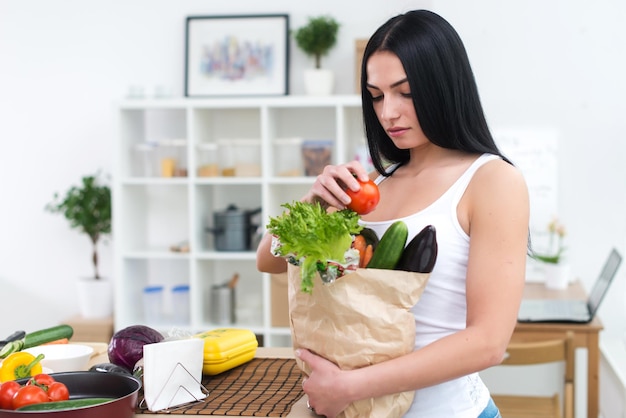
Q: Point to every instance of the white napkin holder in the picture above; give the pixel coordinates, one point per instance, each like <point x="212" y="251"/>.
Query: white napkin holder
<point x="172" y="373"/>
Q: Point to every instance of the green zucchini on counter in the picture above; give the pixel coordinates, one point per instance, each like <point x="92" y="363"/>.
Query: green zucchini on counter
<point x="36" y="338"/>
<point x="64" y="405"/>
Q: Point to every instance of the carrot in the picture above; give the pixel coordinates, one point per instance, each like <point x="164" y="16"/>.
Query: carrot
<point x="60" y="341"/>
<point x="369" y="252"/>
<point x="359" y="244"/>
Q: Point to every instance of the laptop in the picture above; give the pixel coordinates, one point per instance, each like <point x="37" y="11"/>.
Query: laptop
<point x="572" y="310"/>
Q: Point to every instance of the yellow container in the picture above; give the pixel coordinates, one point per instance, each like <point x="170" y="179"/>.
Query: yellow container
<point x="226" y="348"/>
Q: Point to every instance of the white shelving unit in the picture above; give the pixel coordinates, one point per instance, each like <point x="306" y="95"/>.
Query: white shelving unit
<point x="151" y="213"/>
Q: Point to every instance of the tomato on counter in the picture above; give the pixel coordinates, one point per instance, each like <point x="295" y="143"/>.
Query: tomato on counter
<point x="7" y="391"/>
<point x="57" y="391"/>
<point x="28" y="395"/>
<point x="40" y="388"/>
<point x="41" y="379"/>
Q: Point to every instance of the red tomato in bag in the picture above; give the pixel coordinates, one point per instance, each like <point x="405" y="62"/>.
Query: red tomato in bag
<point x="365" y="200"/>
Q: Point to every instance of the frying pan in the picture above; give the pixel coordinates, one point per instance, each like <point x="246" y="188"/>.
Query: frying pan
<point x="121" y="388"/>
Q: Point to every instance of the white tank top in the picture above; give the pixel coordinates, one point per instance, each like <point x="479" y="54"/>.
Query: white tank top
<point x="441" y="310"/>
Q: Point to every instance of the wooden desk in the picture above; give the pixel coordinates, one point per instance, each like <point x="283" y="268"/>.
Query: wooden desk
<point x="585" y="335"/>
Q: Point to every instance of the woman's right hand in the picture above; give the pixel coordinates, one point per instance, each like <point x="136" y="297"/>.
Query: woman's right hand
<point x="329" y="187"/>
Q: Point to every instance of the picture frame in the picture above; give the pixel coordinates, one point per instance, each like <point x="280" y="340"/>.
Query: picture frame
<point x="359" y="50"/>
<point x="237" y="55"/>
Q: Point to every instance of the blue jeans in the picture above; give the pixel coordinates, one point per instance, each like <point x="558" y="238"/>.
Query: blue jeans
<point x="491" y="411"/>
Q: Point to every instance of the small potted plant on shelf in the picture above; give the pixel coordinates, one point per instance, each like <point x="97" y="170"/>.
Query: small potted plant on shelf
<point x="316" y="39"/>
<point x="87" y="208"/>
<point x="556" y="271"/>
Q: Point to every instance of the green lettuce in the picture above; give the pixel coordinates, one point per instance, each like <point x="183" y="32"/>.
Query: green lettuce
<point x="311" y="237"/>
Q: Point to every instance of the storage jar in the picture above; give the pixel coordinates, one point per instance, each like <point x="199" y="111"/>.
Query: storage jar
<point x="208" y="158"/>
<point x="316" y="154"/>
<point x="173" y="157"/>
<point x="240" y="157"/>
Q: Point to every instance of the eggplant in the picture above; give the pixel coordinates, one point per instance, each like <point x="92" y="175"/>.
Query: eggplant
<point x="420" y="254"/>
<point x="109" y="368"/>
<point x="370" y="237"/>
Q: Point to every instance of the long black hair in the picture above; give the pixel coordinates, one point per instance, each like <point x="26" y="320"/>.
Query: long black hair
<point x="442" y="85"/>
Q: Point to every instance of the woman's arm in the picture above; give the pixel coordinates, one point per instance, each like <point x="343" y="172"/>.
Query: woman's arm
<point x="495" y="213"/>
<point x="265" y="260"/>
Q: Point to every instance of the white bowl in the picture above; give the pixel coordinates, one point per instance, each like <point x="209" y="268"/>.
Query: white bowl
<point x="63" y="357"/>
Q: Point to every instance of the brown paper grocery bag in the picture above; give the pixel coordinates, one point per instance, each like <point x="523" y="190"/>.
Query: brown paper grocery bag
<point x="360" y="319"/>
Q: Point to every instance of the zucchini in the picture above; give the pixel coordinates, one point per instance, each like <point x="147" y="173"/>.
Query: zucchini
<point x="36" y="338"/>
<point x="420" y="253"/>
<point x="48" y="335"/>
<point x="390" y="247"/>
<point x="64" y="405"/>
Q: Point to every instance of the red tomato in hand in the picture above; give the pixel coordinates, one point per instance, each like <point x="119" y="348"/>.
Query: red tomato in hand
<point x="41" y="379"/>
<point x="7" y="391"/>
<point x="57" y="391"/>
<point x="365" y="200"/>
<point x="29" y="395"/>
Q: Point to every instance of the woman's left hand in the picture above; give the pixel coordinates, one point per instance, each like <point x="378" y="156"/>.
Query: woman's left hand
<point x="324" y="388"/>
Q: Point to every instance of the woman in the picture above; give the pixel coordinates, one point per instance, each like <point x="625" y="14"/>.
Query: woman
<point x="422" y="113"/>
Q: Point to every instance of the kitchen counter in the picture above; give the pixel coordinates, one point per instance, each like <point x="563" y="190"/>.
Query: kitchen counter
<point x="299" y="409"/>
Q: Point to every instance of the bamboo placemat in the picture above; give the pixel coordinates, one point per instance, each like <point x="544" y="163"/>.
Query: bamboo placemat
<point x="263" y="387"/>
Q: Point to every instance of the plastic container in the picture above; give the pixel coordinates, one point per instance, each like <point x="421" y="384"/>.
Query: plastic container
<point x="286" y="160"/>
<point x="226" y="348"/>
<point x="145" y="159"/>
<point x="173" y="157"/>
<point x="208" y="165"/>
<point x="240" y="157"/>
<point x="222" y="305"/>
<point x="153" y="304"/>
<point x="180" y="304"/>
<point x="316" y="154"/>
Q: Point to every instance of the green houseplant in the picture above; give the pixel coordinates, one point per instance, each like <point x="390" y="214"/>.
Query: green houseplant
<point x="556" y="232"/>
<point x="316" y="39"/>
<point x="557" y="273"/>
<point x="87" y="208"/>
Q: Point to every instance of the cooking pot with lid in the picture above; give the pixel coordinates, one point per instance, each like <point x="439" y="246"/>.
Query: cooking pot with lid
<point x="233" y="228"/>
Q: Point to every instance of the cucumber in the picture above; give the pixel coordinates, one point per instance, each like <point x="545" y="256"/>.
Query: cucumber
<point x="48" y="335"/>
<point x="36" y="338"/>
<point x="420" y="253"/>
<point x="64" y="405"/>
<point x="390" y="247"/>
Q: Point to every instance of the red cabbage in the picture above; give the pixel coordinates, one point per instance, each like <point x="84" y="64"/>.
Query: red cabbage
<point x="126" y="346"/>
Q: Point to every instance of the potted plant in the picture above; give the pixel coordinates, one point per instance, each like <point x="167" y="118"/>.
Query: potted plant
<point x="556" y="271"/>
<point x="316" y="39"/>
<point x="87" y="208"/>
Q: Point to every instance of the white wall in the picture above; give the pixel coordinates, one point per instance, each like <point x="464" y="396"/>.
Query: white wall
<point x="64" y="63"/>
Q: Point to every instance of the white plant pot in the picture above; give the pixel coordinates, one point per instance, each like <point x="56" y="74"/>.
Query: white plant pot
<point x="95" y="298"/>
<point x="557" y="275"/>
<point x="318" y="82"/>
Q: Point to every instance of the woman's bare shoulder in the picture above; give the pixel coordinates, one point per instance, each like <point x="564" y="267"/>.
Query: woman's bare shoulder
<point x="498" y="179"/>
